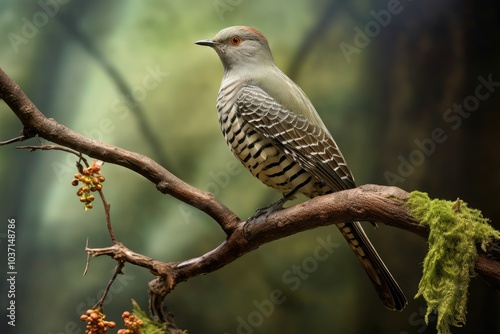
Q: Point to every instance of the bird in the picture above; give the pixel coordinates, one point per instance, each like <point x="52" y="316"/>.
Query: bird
<point x="272" y="127"/>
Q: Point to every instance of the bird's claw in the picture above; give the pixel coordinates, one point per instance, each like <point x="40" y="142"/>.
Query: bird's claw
<point x="268" y="209"/>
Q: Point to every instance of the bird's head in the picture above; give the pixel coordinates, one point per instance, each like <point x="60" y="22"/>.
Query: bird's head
<point x="240" y="46"/>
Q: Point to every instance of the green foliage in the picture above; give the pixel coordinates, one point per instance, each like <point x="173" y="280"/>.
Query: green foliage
<point x="455" y="230"/>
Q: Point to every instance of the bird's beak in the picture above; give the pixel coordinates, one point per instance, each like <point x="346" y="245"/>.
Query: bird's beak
<point x="206" y="42"/>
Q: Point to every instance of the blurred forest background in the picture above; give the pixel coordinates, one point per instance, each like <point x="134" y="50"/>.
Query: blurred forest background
<point x="380" y="94"/>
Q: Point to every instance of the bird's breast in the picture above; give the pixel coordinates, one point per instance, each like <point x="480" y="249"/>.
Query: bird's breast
<point x="262" y="156"/>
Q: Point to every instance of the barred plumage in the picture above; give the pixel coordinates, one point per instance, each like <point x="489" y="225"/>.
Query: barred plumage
<point x="259" y="154"/>
<point x="274" y="130"/>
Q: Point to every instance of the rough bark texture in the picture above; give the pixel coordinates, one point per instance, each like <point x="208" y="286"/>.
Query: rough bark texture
<point x="372" y="203"/>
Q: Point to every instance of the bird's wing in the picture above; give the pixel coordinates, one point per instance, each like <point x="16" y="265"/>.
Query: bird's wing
<point x="309" y="144"/>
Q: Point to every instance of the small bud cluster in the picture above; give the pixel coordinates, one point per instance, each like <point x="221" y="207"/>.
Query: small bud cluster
<point x="92" y="180"/>
<point x="132" y="324"/>
<point x="96" y="323"/>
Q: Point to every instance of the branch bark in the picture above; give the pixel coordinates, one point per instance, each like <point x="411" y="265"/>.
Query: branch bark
<point x="373" y="203"/>
<point x="35" y="123"/>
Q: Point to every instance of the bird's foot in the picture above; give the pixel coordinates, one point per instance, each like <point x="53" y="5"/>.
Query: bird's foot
<point x="271" y="208"/>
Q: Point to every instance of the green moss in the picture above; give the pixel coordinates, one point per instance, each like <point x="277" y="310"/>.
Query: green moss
<point x="149" y="325"/>
<point x="455" y="230"/>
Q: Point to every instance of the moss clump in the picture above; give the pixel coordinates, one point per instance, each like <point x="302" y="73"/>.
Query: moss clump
<point x="149" y="326"/>
<point x="455" y="230"/>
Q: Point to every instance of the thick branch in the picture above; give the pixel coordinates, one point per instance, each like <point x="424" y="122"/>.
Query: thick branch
<point x="368" y="203"/>
<point x="374" y="203"/>
<point x="35" y="123"/>
<point x="380" y="204"/>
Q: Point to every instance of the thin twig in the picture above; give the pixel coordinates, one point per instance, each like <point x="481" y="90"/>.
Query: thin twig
<point x="87" y="263"/>
<point x="118" y="270"/>
<point x="107" y="211"/>
<point x="13" y="140"/>
<point x="44" y="147"/>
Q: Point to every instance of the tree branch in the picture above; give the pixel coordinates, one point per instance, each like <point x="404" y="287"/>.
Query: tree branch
<point x="35" y="123"/>
<point x="368" y="203"/>
<point x="380" y="204"/>
<point x="373" y="203"/>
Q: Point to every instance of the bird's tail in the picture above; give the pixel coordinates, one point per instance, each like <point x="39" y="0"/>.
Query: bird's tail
<point x="386" y="286"/>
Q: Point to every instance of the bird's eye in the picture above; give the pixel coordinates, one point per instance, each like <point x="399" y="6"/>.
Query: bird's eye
<point x="236" y="40"/>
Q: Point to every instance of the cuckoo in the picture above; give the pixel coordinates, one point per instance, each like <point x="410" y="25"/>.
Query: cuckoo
<point x="274" y="130"/>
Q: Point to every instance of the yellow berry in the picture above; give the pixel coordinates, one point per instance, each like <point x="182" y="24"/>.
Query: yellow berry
<point x="101" y="178"/>
<point x="90" y="198"/>
<point x="89" y="205"/>
<point x="99" y="186"/>
<point x="83" y="199"/>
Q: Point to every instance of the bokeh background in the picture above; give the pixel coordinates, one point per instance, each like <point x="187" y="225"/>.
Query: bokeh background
<point x="379" y="91"/>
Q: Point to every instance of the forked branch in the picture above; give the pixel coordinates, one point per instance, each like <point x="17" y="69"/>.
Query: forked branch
<point x="373" y="203"/>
